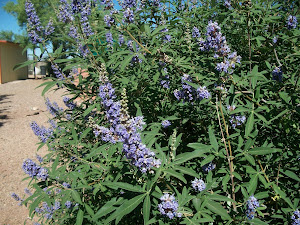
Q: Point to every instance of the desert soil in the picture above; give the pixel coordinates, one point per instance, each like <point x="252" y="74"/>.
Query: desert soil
<point x="20" y="103"/>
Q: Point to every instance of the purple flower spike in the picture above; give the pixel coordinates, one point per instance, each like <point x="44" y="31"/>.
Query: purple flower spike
<point x="166" y="123"/>
<point x="169" y="206"/>
<point x="292" y="22"/>
<point x="251" y="205"/>
<point x="198" y="184"/>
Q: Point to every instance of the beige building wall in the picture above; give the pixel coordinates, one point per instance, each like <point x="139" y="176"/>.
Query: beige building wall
<point x="11" y="55"/>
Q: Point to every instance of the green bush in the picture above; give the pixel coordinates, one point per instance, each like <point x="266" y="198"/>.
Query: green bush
<point x="180" y="113"/>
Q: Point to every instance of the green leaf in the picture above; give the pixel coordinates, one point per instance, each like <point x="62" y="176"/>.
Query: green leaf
<point x="49" y="86"/>
<point x="89" y="209"/>
<point x="200" y="147"/>
<point x="79" y="218"/>
<point x="125" y="186"/>
<point x="175" y="174"/>
<point x="219" y="198"/>
<point x="186" y="170"/>
<point x="207" y="160"/>
<point x="212" y="138"/>
<point x="108" y="207"/>
<point x="249" y="124"/>
<point x="187" y="156"/>
<point x="23" y="64"/>
<point x="125" y="208"/>
<point x="146" y="208"/>
<point x="263" y="150"/>
<point x="76" y="196"/>
<point x="218" y="209"/>
<point x="258" y="222"/>
<point x="291" y="175"/>
<point x="126" y="61"/>
<point x="253" y="184"/>
<point x="285" y="96"/>
<point x="88" y="110"/>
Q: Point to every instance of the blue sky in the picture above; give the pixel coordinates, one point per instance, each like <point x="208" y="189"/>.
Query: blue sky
<point x="7" y="21"/>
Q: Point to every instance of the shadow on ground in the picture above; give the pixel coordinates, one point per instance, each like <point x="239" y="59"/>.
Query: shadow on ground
<point x="3" y="109"/>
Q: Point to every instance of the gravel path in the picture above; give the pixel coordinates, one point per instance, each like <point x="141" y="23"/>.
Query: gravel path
<point x="20" y="103"/>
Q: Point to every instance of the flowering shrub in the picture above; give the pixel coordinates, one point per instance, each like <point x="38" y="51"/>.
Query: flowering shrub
<point x="178" y="113"/>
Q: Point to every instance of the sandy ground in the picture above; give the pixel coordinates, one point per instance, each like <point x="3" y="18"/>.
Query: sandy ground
<point x="20" y="103"/>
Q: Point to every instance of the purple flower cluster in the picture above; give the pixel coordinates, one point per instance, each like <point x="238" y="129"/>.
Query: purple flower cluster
<point x="43" y="133"/>
<point x="156" y="3"/>
<point x="126" y="130"/>
<point x="277" y="74"/>
<point x="236" y="120"/>
<point x="85" y="12"/>
<point x="128" y="16"/>
<point x="16" y="197"/>
<point x="39" y="158"/>
<point x="208" y="167"/>
<point x="135" y="59"/>
<point x="275" y="39"/>
<point x="198" y="184"/>
<point x="169" y="206"/>
<point x="32" y="169"/>
<point x="189" y="93"/>
<point x="166" y="123"/>
<point x="108" y="4"/>
<point x="49" y="28"/>
<point x="70" y="104"/>
<point x="66" y="185"/>
<point x="68" y="204"/>
<point x="73" y="32"/>
<point x="165" y="82"/>
<point x="167" y="38"/>
<point x="128" y="4"/>
<point x="53" y="108"/>
<point x="57" y="71"/>
<point x="48" y="210"/>
<point x="251" y="205"/>
<point x="109" y="20"/>
<point x="35" y="29"/>
<point x="109" y="39"/>
<point x="195" y="32"/>
<point x="296" y="217"/>
<point x="291" y="22"/>
<point x="227" y="4"/>
<point x="217" y="42"/>
<point x="65" y="12"/>
<point x="121" y="40"/>
<point x="27" y="191"/>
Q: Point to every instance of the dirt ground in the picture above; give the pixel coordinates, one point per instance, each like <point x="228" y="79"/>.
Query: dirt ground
<point x="20" y="103"/>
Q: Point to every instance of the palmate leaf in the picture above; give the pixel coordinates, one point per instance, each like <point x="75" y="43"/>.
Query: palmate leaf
<point x="126" y="208"/>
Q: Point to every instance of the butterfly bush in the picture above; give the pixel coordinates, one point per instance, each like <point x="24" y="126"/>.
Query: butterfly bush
<point x="173" y="113"/>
